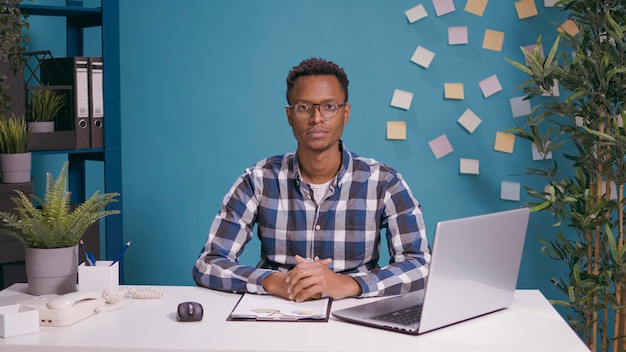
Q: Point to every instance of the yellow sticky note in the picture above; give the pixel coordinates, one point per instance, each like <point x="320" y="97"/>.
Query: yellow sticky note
<point x="570" y="27"/>
<point x="504" y="142"/>
<point x="493" y="40"/>
<point x="453" y="91"/>
<point x="525" y="9"/>
<point x="477" y="7"/>
<point x="396" y="130"/>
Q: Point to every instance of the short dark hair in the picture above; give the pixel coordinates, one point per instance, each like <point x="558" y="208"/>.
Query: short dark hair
<point x="317" y="67"/>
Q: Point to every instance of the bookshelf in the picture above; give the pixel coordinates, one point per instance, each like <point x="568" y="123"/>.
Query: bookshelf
<point x="77" y="19"/>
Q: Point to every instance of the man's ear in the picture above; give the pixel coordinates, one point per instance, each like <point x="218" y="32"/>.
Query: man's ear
<point x="346" y="114"/>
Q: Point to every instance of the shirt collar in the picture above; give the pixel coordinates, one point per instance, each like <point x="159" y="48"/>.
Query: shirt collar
<point x="346" y="161"/>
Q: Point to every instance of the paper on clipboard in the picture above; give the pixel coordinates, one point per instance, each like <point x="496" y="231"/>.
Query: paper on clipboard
<point x="271" y="308"/>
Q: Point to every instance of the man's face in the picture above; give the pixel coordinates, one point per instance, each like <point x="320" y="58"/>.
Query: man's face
<point x="317" y="133"/>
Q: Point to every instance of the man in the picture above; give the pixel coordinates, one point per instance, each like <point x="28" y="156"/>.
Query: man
<point x="319" y="211"/>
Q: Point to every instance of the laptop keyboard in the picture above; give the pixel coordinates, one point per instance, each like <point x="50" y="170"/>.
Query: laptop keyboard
<point x="405" y="316"/>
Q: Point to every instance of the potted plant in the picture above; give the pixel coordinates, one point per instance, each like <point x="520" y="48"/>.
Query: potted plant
<point x="12" y="22"/>
<point x="42" y="107"/>
<point x="51" y="229"/>
<point x="15" y="159"/>
<point x="584" y="131"/>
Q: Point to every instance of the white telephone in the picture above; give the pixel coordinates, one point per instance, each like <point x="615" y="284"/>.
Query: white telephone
<point x="65" y="310"/>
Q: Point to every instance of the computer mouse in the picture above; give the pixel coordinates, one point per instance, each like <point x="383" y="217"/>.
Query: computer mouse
<point x="189" y="311"/>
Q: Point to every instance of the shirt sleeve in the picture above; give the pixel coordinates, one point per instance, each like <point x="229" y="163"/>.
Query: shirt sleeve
<point x="408" y="245"/>
<point x="217" y="267"/>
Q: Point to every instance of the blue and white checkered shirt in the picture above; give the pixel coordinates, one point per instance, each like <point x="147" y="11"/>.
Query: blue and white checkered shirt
<point x="345" y="225"/>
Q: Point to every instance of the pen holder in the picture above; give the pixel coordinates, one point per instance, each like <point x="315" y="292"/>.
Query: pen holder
<point x="102" y="277"/>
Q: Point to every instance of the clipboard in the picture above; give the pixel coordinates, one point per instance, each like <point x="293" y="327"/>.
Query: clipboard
<point x="254" y="307"/>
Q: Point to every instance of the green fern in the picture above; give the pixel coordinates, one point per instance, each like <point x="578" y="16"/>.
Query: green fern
<point x="54" y="223"/>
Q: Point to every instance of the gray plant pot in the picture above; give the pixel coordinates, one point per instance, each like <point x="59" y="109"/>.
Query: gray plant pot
<point x="51" y="271"/>
<point x="16" y="168"/>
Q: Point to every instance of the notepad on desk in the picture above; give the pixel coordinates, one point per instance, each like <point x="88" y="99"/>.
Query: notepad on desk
<point x="271" y="308"/>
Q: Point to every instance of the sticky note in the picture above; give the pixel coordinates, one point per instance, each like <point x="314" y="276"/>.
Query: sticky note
<point x="537" y="155"/>
<point x="526" y="9"/>
<point x="520" y="107"/>
<point x="440" y="146"/>
<point x="457" y="35"/>
<point x="549" y="3"/>
<point x="569" y="26"/>
<point x="401" y="99"/>
<point x="416" y="13"/>
<point x="469" y="166"/>
<point x="477" y="7"/>
<point x="490" y="86"/>
<point x="504" y="142"/>
<point x="509" y="190"/>
<point x="453" y="90"/>
<point x="443" y="7"/>
<point x="493" y="40"/>
<point x="531" y="48"/>
<point x="469" y="120"/>
<point x="422" y="56"/>
<point x="396" y="130"/>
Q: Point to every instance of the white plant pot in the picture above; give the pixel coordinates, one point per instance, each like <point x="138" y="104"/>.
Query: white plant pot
<point x="41" y="126"/>
<point x="15" y="168"/>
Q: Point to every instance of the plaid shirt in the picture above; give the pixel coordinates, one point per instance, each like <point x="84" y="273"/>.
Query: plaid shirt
<point x="365" y="197"/>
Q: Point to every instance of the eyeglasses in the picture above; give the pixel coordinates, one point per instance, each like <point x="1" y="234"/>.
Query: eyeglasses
<point x="327" y="109"/>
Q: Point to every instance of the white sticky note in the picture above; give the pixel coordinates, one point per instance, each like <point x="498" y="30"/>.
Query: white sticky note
<point x="416" y="13"/>
<point x="457" y="35"/>
<point x="509" y="190"/>
<point x="469" y="120"/>
<point x="443" y="7"/>
<point x="440" y="146"/>
<point x="520" y="107"/>
<point x="401" y="99"/>
<point x="469" y="166"/>
<point x="537" y="155"/>
<point x="549" y="3"/>
<point x="422" y="56"/>
<point x="490" y="86"/>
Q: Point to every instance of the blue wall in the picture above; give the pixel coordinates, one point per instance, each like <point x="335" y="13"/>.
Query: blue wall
<point x="203" y="85"/>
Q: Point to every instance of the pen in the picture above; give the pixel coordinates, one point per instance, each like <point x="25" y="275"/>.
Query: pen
<point x="121" y="253"/>
<point x="82" y="249"/>
<point x="92" y="258"/>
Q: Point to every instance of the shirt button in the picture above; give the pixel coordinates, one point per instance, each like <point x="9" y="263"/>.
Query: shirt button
<point x="317" y="227"/>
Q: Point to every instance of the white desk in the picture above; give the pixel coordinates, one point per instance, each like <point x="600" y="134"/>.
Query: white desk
<point x="530" y="324"/>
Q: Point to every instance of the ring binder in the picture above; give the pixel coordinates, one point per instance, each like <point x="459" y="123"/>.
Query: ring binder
<point x="96" y="102"/>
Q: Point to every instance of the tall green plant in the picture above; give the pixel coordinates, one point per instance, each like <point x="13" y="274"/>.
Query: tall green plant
<point x="12" y="40"/>
<point x="53" y="222"/>
<point x="44" y="104"/>
<point x="14" y="135"/>
<point x="584" y="130"/>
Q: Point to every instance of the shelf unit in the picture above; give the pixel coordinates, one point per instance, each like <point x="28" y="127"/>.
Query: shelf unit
<point x="77" y="19"/>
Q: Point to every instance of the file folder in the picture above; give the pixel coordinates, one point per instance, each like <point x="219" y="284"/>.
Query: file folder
<point x="96" y="102"/>
<point x="71" y="71"/>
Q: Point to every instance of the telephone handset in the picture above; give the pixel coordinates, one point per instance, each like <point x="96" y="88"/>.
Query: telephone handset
<point x="65" y="310"/>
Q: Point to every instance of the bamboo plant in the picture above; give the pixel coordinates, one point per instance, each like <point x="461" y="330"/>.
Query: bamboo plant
<point x="583" y="129"/>
<point x="12" y="41"/>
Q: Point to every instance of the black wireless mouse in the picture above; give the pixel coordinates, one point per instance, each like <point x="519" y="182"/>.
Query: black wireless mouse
<point x="189" y="311"/>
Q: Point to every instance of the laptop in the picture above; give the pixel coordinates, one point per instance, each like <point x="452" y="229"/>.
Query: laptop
<point x="473" y="271"/>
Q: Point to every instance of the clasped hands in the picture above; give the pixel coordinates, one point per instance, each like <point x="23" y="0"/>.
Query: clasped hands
<point x="311" y="280"/>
